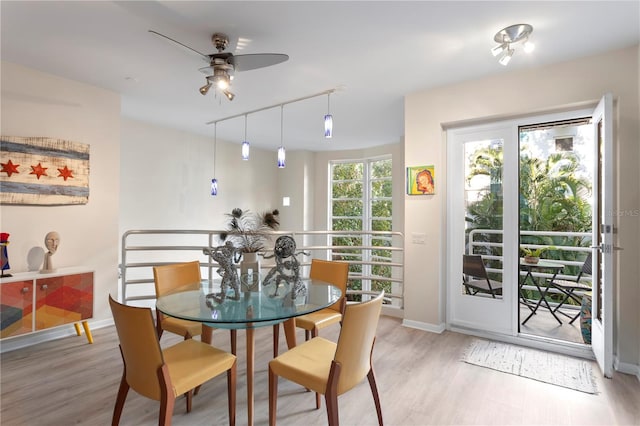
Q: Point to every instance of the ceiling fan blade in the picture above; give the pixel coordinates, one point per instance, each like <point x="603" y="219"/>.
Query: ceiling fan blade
<point x="257" y="60"/>
<point x="204" y="57"/>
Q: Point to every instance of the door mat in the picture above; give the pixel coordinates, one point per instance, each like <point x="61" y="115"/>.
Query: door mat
<point x="547" y="367"/>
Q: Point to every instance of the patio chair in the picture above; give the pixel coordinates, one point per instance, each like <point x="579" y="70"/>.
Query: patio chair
<point x="475" y="278"/>
<point x="569" y="288"/>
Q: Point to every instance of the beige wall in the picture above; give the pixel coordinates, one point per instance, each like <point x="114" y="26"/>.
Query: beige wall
<point x="38" y="104"/>
<point x="548" y="88"/>
<point x="168" y="172"/>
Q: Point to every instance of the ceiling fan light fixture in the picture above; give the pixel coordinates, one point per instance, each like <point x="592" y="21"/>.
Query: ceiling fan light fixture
<point x="508" y="37"/>
<point x="228" y="94"/>
<point x="205" y="89"/>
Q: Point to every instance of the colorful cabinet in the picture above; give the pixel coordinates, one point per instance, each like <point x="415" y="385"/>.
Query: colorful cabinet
<point x="32" y="302"/>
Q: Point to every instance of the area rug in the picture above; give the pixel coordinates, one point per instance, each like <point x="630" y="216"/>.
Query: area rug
<point x="556" y="369"/>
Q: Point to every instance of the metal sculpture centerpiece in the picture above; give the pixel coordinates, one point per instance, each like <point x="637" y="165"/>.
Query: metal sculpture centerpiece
<point x="226" y="256"/>
<point x="286" y="273"/>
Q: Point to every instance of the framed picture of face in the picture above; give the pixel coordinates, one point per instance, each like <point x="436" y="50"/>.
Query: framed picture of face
<point x="421" y="180"/>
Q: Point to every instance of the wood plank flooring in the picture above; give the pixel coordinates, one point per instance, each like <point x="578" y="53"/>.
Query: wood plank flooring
<point x="420" y="377"/>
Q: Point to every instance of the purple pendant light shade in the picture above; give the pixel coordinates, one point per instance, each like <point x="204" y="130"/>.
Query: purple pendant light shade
<point x="281" y="153"/>
<point x="328" y="120"/>
<point x="214" y="181"/>
<point x="245" y="142"/>
<point x="214" y="186"/>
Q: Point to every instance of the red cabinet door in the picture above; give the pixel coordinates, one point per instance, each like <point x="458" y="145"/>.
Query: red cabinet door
<point x="63" y="300"/>
<point x="16" y="308"/>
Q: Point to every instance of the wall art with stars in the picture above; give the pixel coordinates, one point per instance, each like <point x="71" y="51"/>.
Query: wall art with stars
<point x="43" y="171"/>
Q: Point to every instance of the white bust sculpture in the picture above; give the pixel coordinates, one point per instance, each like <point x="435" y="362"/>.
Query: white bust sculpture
<point x="51" y="242"/>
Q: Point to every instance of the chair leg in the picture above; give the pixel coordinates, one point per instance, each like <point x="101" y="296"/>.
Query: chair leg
<point x="276" y="338"/>
<point x="331" y="394"/>
<point x="231" y="393"/>
<point x="376" y="396"/>
<point x="306" y="335"/>
<point x="122" y="396"/>
<point x="167" y="397"/>
<point x="273" y="397"/>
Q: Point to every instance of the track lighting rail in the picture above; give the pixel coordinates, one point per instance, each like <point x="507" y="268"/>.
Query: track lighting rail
<point x="281" y="104"/>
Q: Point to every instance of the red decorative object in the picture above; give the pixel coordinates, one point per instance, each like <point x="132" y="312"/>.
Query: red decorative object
<point x="65" y="173"/>
<point x="9" y="168"/>
<point x="39" y="170"/>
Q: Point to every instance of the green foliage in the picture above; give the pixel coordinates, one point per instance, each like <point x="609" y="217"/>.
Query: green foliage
<point x="348" y="211"/>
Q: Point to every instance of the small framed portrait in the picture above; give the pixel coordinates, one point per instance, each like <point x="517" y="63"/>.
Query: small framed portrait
<point x="421" y="180"/>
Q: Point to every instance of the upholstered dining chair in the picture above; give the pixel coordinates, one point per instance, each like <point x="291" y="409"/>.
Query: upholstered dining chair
<point x="164" y="374"/>
<point x="570" y="287"/>
<point x="333" y="272"/>
<point x="475" y="278"/>
<point x="178" y="277"/>
<point x="332" y="368"/>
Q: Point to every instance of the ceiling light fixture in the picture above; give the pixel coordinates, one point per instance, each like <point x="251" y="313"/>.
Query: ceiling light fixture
<point x="328" y="119"/>
<point x="214" y="181"/>
<point x="509" y="36"/>
<point x="245" y="142"/>
<point x="281" y="152"/>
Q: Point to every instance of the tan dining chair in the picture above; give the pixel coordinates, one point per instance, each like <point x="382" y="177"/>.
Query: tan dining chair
<point x="165" y="374"/>
<point x="330" y="368"/>
<point x="332" y="272"/>
<point x="178" y="277"/>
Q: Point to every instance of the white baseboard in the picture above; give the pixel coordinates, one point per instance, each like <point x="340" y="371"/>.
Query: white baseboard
<point x="18" y="342"/>
<point x="433" y="328"/>
<point x="627" y="368"/>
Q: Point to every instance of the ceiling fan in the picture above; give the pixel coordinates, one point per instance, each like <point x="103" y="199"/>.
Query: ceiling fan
<point x="222" y="65"/>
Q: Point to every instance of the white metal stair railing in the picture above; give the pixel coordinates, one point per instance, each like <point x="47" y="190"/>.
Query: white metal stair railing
<point x="142" y="249"/>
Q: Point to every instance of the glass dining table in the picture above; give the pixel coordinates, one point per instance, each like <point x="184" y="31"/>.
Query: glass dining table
<point x="266" y="307"/>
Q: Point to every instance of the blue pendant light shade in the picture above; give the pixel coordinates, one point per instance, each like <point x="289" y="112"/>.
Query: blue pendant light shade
<point x="214" y="186"/>
<point x="245" y="150"/>
<point x="214" y="181"/>
<point x="328" y="120"/>
<point x="281" y="153"/>
<point x="245" y="142"/>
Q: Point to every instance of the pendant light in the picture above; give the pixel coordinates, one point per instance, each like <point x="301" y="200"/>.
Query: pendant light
<point x="245" y="142"/>
<point x="214" y="181"/>
<point x="281" y="152"/>
<point x="328" y="120"/>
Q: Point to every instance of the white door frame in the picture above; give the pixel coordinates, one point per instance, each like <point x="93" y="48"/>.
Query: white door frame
<point x="603" y="230"/>
<point x="463" y="315"/>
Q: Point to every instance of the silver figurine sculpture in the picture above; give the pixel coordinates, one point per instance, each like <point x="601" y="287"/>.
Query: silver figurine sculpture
<point x="226" y="256"/>
<point x="287" y="267"/>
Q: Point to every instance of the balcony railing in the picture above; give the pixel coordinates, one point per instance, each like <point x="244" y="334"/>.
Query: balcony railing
<point x="479" y="242"/>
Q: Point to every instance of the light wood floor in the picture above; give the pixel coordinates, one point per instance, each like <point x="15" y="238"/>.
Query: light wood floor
<point x="420" y="377"/>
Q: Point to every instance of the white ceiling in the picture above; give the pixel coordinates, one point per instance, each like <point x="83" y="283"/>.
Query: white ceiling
<point x="375" y="52"/>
